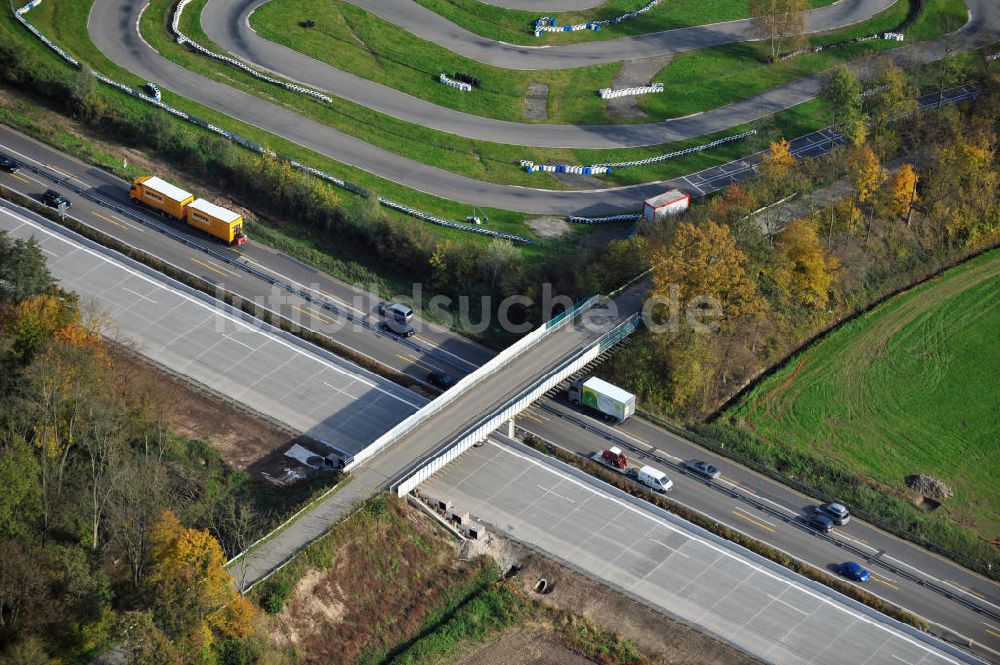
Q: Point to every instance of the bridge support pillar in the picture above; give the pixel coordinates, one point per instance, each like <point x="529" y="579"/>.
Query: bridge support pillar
<point x="510" y="429"/>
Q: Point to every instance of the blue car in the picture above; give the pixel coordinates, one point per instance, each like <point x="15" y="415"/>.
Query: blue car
<point x="853" y="571"/>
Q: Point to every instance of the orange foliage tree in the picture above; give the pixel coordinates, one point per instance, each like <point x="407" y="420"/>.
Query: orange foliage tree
<point x="806" y="271"/>
<point x="902" y="190"/>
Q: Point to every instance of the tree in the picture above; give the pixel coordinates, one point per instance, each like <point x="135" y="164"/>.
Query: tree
<point x="23" y="273"/>
<point x="143" y="642"/>
<point x="902" y="191"/>
<point x="26" y="604"/>
<point x="805" y="272"/>
<point x="781" y="23"/>
<point x="497" y="258"/>
<point x="21" y="489"/>
<point x="895" y="96"/>
<point x="867" y="173"/>
<point x="840" y="93"/>
<point x="133" y="508"/>
<point x="778" y="161"/>
<point x="194" y="593"/>
<point x="703" y="261"/>
<point x="32" y="322"/>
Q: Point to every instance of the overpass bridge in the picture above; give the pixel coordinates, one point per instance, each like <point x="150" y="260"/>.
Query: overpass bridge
<point x="478" y="404"/>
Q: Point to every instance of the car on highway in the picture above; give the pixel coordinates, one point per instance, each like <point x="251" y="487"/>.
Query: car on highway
<point x="820" y="522"/>
<point x="393" y="327"/>
<point x="9" y="164"/>
<point x="853" y="571"/>
<point x="440" y="379"/>
<point x="835" y="511"/>
<point x="54" y="199"/>
<point x="396" y="311"/>
<point x="703" y="469"/>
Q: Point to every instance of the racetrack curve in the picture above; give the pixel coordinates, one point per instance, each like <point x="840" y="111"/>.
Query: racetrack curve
<point x="112" y="27"/>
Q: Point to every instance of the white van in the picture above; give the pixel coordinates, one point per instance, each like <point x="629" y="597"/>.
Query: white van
<point x="654" y="479"/>
<point x="396" y="311"/>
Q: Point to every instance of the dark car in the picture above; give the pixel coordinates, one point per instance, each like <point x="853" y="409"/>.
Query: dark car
<point x="820" y="522"/>
<point x="440" y="380"/>
<point x="703" y="469"/>
<point x="54" y="199"/>
<point x="9" y="164"/>
<point x="835" y="511"/>
<point x="853" y="571"/>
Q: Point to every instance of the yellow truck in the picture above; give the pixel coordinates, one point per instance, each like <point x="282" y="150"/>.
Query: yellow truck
<point x="171" y="200"/>
<point x="217" y="221"/>
<point x="159" y="194"/>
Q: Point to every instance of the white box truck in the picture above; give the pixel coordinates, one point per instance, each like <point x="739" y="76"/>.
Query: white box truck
<point x="663" y="205"/>
<point x="598" y="395"/>
<point x="654" y="479"/>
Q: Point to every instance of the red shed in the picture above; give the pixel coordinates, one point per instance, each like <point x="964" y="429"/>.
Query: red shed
<point x="668" y="203"/>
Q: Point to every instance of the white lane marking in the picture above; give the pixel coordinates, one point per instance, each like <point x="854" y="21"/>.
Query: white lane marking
<point x="233" y="339"/>
<point x="47" y="251"/>
<point x="900" y="659"/>
<point x="787" y="604"/>
<point x="439" y="349"/>
<point x="139" y="295"/>
<point x="305" y="287"/>
<point x="548" y="491"/>
<point x="859" y="616"/>
<point x="672" y="549"/>
<point x="359" y="375"/>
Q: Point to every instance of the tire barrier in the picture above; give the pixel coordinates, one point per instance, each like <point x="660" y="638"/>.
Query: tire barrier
<point x="874" y="91"/>
<point x="548" y="24"/>
<point x="399" y="207"/>
<point x="466" y="78"/>
<point x="175" y="22"/>
<point x="452" y="83"/>
<point x="995" y="56"/>
<point x="155" y="100"/>
<point x="611" y="219"/>
<point x="608" y="93"/>
<point x="897" y="34"/>
<point x="597" y="169"/>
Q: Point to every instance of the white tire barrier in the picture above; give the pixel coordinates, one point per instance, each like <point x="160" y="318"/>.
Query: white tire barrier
<point x="608" y="93"/>
<point x="175" y="22"/>
<point x="874" y="91"/>
<point x="155" y="100"/>
<point x="548" y="24"/>
<point x="596" y="169"/>
<point x="611" y="219"/>
<point x="995" y="56"/>
<point x="452" y="83"/>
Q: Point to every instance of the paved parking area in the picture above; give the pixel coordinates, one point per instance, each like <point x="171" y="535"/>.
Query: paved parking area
<point x="325" y="397"/>
<point x="669" y="563"/>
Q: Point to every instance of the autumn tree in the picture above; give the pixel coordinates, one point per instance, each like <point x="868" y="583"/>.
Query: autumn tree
<point x="840" y="94"/>
<point x="780" y="23"/>
<point x="867" y="173"/>
<point x="901" y="192"/>
<point x="805" y="271"/>
<point x="703" y="261"/>
<point x="894" y="96"/>
<point x="195" y="598"/>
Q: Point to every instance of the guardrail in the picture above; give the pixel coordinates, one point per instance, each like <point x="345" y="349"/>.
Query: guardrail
<point x="469" y="381"/>
<point x="479" y="431"/>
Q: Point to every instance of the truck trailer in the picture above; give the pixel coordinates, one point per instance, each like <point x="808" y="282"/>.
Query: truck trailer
<point x="610" y="401"/>
<point x="181" y="205"/>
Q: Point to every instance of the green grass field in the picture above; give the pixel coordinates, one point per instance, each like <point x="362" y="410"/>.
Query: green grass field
<point x="911" y="387"/>
<point x="515" y="26"/>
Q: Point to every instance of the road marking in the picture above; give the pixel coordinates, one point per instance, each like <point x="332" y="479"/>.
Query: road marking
<point x="139" y="294"/>
<point x="672" y="549"/>
<point x="993" y="632"/>
<point x="61" y="172"/>
<point x="206" y="265"/>
<point x="233" y="339"/>
<point x="786" y="604"/>
<point x="47" y="251"/>
<point x="24" y="180"/>
<point x="548" y="491"/>
<point x="414" y="361"/>
<point x="532" y="416"/>
<point x="314" y="314"/>
<point x="901" y="660"/>
<point x="107" y="219"/>
<point x="966" y="589"/>
<point x="756" y="517"/>
<point x="750" y="519"/>
<point x="888" y="584"/>
<point x="541" y="416"/>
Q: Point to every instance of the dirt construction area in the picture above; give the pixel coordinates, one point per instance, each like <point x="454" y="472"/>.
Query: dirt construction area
<point x="525" y="647"/>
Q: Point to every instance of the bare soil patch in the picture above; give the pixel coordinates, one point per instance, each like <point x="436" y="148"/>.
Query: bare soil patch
<point x="549" y="227"/>
<point x="536" y="103"/>
<point x="634" y="73"/>
<point x="525" y="647"/>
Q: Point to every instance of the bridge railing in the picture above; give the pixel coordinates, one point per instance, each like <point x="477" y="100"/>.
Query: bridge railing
<point x="482" y="429"/>
<point x="471" y="380"/>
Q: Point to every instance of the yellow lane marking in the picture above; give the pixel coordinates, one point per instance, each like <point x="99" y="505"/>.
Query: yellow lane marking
<point x="967" y="589"/>
<point x="108" y="219"/>
<point x="314" y="314"/>
<point x="993" y="632"/>
<point x="24" y="180"/>
<point x="532" y="416"/>
<point x="414" y="361"/>
<point x="59" y="171"/>
<point x="209" y="266"/>
<point x="888" y="584"/>
<point x="752" y="520"/>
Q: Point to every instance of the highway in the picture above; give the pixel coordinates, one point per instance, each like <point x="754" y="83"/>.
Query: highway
<point x="273" y="373"/>
<point x="750" y="602"/>
<point x="552" y="419"/>
<point x="433" y="348"/>
<point x="735" y="499"/>
<point x="113" y="29"/>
